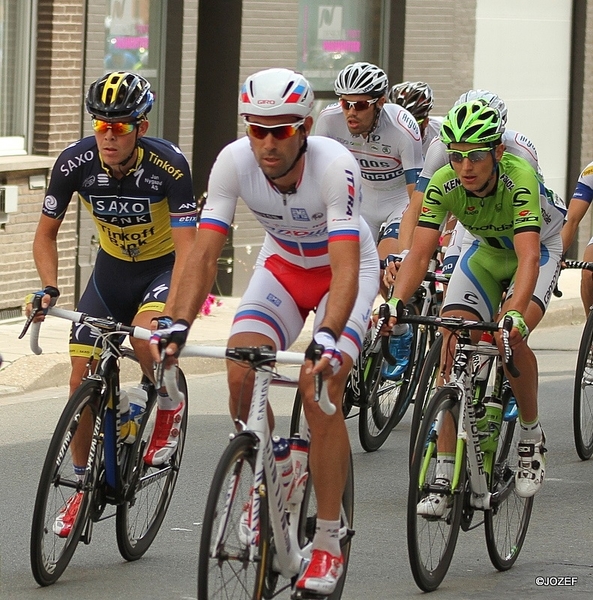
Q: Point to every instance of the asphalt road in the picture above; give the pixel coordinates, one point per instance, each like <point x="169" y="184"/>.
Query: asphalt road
<point x="559" y="542"/>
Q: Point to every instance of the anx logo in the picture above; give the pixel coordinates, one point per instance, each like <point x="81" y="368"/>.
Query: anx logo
<point x="121" y="211"/>
<point x="299" y="214"/>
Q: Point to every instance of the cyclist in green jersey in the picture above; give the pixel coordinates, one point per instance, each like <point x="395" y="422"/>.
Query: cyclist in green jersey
<point x="501" y="201"/>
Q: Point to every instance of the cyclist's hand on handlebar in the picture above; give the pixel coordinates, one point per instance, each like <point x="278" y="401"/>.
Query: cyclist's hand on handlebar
<point x="395" y="308"/>
<point x="392" y="264"/>
<point x="520" y="331"/>
<point x="169" y="341"/>
<point x="37" y="303"/>
<point x="323" y="353"/>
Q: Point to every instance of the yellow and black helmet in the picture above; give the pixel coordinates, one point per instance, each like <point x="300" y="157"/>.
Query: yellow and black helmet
<point x="119" y="95"/>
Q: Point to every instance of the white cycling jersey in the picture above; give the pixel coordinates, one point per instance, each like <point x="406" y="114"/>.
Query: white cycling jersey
<point x="293" y="273"/>
<point x="324" y="207"/>
<point x="432" y="131"/>
<point x="390" y="158"/>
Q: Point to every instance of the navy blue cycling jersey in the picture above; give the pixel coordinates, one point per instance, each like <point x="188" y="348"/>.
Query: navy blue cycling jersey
<point x="134" y="215"/>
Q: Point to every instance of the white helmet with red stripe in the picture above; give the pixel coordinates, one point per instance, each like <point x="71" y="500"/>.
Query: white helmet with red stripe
<point x="275" y="92"/>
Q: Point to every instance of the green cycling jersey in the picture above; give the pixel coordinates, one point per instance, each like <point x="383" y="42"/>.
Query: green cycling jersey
<point x="518" y="203"/>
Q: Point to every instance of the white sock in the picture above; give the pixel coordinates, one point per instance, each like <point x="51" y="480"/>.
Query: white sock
<point x="530" y="432"/>
<point x="327" y="537"/>
<point x="445" y="466"/>
<point x="164" y="402"/>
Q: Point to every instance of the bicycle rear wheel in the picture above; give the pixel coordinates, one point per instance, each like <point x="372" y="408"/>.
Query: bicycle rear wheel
<point x="139" y="519"/>
<point x="583" y="394"/>
<point x="50" y="553"/>
<point x="506" y="524"/>
<point x="225" y="569"/>
<point x="431" y="540"/>
<point x="426" y="388"/>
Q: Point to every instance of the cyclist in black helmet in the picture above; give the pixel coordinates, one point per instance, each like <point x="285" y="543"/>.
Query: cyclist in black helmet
<point x="140" y="195"/>
<point x="417" y="98"/>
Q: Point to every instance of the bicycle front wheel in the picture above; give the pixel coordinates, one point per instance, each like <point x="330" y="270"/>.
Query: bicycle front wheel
<point x="426" y="389"/>
<point x="583" y="394"/>
<point x="226" y="567"/>
<point x="50" y="553"/>
<point x="432" y="539"/>
<point x="506" y="523"/>
<point x="139" y="519"/>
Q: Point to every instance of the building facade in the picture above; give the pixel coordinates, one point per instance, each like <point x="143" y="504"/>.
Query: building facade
<point x="197" y="52"/>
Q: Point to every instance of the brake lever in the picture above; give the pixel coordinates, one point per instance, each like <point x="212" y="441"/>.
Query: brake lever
<point x="36" y="302"/>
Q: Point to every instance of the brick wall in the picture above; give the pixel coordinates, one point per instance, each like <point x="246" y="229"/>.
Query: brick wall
<point x="58" y="102"/>
<point x="439" y="47"/>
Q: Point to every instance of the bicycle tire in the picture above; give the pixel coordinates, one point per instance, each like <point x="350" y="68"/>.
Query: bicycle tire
<point x="227" y="570"/>
<point x="140" y="517"/>
<point x="506" y="524"/>
<point x="431" y="541"/>
<point x="388" y="400"/>
<point x="49" y="553"/>
<point x="425" y="389"/>
<point x="583" y="394"/>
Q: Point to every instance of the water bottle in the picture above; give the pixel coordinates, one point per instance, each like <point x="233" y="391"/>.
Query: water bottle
<point x="487" y="339"/>
<point x="124" y="415"/>
<point x="283" y="464"/>
<point x="299" y="452"/>
<point x="488" y="422"/>
<point x="137" y="398"/>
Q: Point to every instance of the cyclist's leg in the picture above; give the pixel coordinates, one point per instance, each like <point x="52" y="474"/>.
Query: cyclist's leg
<point x="470" y="268"/>
<point x="531" y="470"/>
<point x="266" y="315"/>
<point x="329" y="454"/>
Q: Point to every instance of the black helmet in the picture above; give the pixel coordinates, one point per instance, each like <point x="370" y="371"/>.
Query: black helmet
<point x="119" y="95"/>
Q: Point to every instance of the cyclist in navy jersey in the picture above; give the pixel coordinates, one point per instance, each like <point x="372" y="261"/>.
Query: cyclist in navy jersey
<point x="318" y="254"/>
<point x="140" y="195"/>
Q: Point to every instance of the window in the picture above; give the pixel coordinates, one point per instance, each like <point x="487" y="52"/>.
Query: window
<point x="16" y="57"/>
<point x="333" y="34"/>
<point x="133" y="35"/>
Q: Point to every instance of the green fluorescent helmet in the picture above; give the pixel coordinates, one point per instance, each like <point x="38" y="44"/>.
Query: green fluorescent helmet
<point x="472" y="122"/>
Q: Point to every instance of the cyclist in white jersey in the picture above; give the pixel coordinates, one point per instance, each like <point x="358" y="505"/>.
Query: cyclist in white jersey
<point x="418" y="99"/>
<point x="386" y="141"/>
<point x="317" y="255"/>
<point x="578" y="206"/>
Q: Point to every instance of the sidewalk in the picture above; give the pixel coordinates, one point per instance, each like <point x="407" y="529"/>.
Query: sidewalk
<point x="22" y="371"/>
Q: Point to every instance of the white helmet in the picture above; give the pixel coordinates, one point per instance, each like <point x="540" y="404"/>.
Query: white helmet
<point x="276" y="92"/>
<point x="361" y="78"/>
<point x="492" y="99"/>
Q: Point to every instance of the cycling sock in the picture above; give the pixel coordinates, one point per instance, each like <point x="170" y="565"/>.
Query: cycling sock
<point x="530" y="431"/>
<point x="327" y="537"/>
<point x="164" y="401"/>
<point x="445" y="466"/>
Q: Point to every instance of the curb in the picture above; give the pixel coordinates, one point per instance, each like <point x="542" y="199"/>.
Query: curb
<point x="32" y="373"/>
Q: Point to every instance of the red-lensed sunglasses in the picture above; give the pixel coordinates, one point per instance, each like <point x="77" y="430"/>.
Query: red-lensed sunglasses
<point x="357" y="105"/>
<point x="117" y="128"/>
<point x="280" y="132"/>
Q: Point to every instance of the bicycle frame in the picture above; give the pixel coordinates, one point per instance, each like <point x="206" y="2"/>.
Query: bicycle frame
<point x="468" y="440"/>
<point x="288" y="554"/>
<point x="107" y="429"/>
